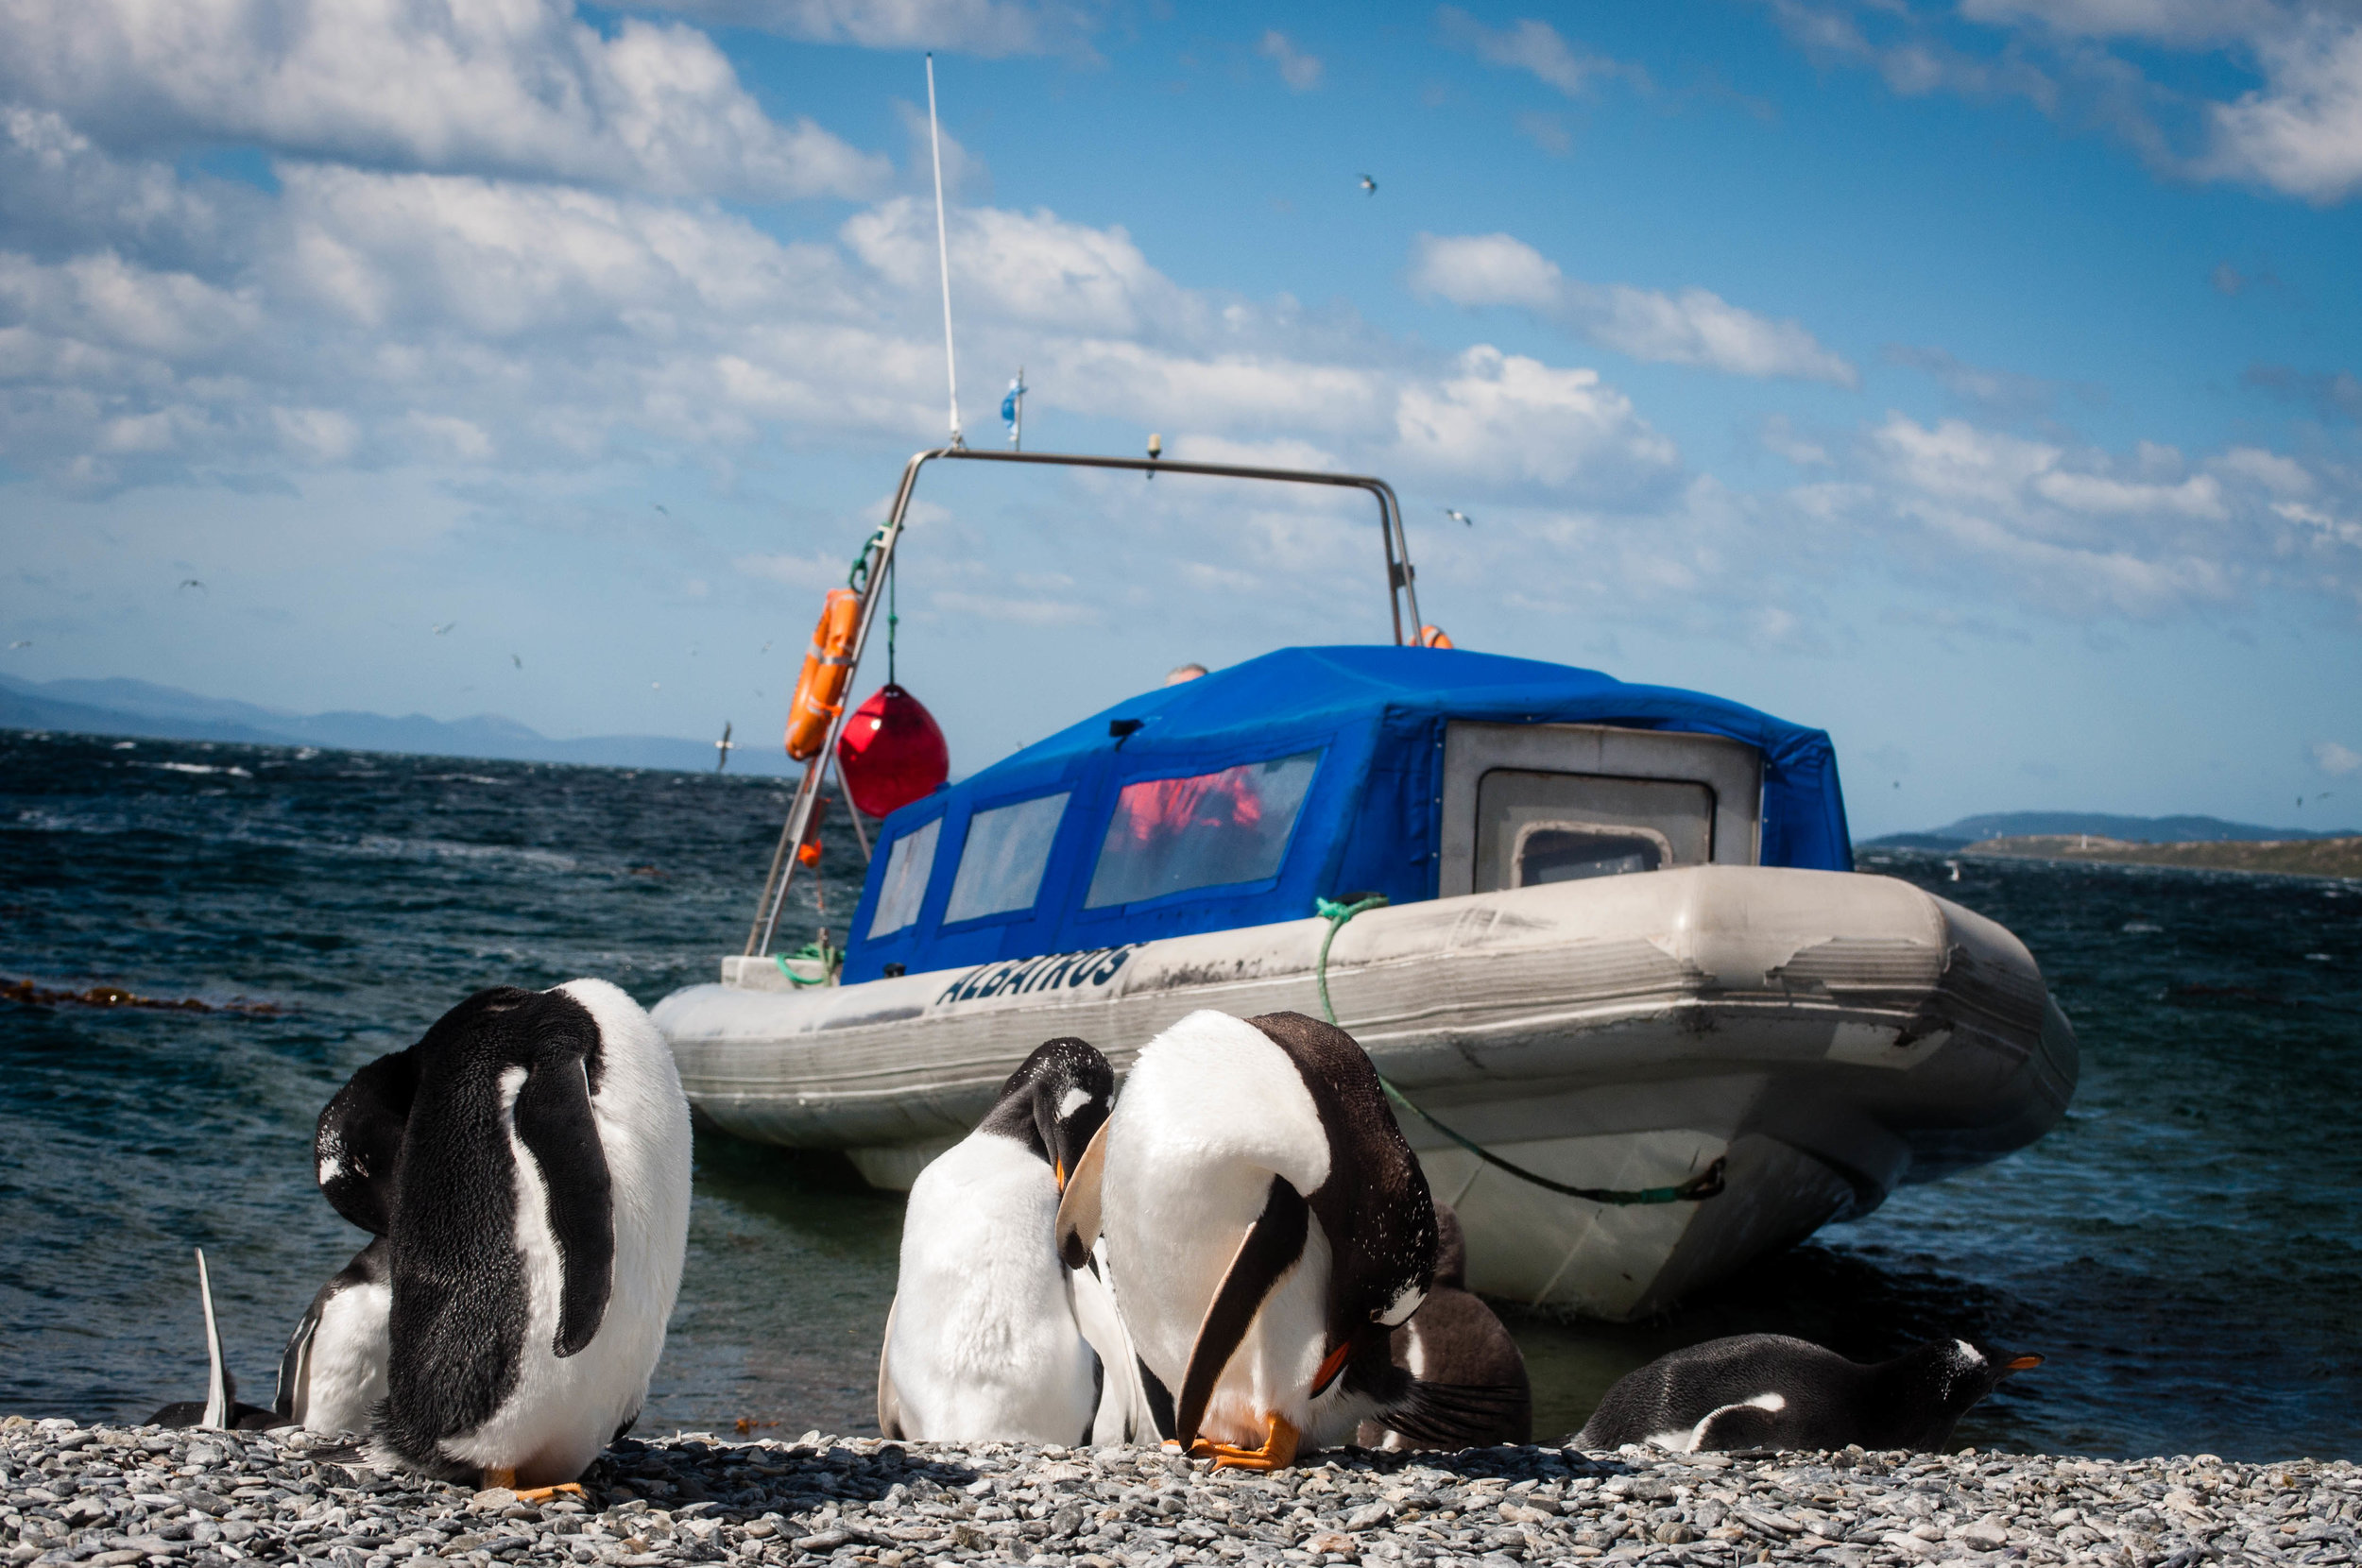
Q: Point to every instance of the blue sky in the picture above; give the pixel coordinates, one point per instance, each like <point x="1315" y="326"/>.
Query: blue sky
<point x="1975" y="381"/>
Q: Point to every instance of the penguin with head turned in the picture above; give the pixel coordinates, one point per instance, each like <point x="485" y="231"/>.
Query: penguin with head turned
<point x="1767" y="1390"/>
<point x="991" y="1337"/>
<point x="526" y="1166"/>
<point x="1267" y="1228"/>
<point x="1455" y="1338"/>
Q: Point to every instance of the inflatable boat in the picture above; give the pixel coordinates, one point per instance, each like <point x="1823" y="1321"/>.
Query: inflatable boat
<point x="1643" y="1020"/>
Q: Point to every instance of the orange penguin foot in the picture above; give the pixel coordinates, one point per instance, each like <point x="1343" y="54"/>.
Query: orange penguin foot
<point x="543" y="1495"/>
<point x="495" y="1475"/>
<point x="1277" y="1452"/>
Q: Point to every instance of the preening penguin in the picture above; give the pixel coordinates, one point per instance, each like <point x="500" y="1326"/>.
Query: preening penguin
<point x="1268" y="1228"/>
<point x="1454" y="1337"/>
<point x="528" y="1165"/>
<point x="1767" y="1390"/>
<point x="991" y="1337"/>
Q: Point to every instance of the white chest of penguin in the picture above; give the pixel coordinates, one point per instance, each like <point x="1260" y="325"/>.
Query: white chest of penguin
<point x="983" y="1336"/>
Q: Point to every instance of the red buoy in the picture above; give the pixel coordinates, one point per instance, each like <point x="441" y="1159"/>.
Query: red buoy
<point x="891" y="752"/>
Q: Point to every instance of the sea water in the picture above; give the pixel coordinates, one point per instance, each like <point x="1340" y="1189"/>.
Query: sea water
<point x="2185" y="1248"/>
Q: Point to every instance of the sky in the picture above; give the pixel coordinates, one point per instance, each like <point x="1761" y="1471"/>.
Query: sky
<point x="1979" y="381"/>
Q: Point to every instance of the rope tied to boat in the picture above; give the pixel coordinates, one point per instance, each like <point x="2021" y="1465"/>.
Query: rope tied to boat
<point x="811" y="952"/>
<point x="1706" y="1184"/>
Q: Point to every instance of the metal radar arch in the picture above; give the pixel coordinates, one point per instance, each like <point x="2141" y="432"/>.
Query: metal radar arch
<point x="1402" y="603"/>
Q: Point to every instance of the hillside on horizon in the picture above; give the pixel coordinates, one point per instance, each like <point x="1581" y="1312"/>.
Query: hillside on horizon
<point x="2174" y="829"/>
<point x="118" y="706"/>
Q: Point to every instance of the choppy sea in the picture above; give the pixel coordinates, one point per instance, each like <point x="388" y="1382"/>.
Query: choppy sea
<point x="2185" y="1248"/>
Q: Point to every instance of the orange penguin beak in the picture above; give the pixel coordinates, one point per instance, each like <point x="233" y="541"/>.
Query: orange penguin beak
<point x="1331" y="1364"/>
<point x="1058" y="1167"/>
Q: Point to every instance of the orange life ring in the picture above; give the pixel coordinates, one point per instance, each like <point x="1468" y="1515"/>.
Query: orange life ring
<point x="828" y="665"/>
<point x="1432" y="637"/>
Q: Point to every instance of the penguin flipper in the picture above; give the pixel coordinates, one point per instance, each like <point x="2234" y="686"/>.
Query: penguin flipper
<point x="555" y="1123"/>
<point x="889" y="1397"/>
<point x="1753" y="1425"/>
<point x="1270" y="1247"/>
<point x="1078" y="1206"/>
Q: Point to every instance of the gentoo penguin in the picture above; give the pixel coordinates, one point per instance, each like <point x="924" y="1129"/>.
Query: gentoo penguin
<point x="334" y="1367"/>
<point x="1767" y="1390"/>
<point x="1267" y="1229"/>
<point x="1454" y="1337"/>
<point x="220" y="1409"/>
<point x="991" y="1337"/>
<point x="527" y="1165"/>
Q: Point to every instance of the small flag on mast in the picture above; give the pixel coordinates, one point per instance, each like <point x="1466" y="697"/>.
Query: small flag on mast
<point x="1012" y="408"/>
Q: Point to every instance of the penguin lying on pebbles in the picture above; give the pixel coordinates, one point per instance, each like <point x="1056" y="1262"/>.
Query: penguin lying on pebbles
<point x="220" y="1409"/>
<point x="526" y="1165"/>
<point x="1767" y="1390"/>
<point x="991" y="1337"/>
<point x="1268" y="1228"/>
<point x="1454" y="1337"/>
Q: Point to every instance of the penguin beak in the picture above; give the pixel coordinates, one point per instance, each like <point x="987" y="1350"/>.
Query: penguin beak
<point x="1332" y="1365"/>
<point x="2021" y="1363"/>
<point x="1058" y="1169"/>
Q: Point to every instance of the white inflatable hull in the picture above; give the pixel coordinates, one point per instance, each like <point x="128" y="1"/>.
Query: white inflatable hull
<point x="1831" y="1034"/>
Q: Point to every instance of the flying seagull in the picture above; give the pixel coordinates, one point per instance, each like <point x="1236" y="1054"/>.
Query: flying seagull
<point x="723" y="747"/>
<point x="20" y="642"/>
<point x="444" y="627"/>
<point x="764" y="649"/>
<point x="659" y="506"/>
<point x="1369" y="186"/>
<point x="190" y="583"/>
<point x="515" y="660"/>
<point x="1458" y="516"/>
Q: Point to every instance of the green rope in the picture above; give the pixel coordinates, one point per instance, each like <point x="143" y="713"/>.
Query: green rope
<point x="829" y="958"/>
<point x="1704" y="1185"/>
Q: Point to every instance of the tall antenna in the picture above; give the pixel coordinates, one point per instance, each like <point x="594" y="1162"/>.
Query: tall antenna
<point x="943" y="256"/>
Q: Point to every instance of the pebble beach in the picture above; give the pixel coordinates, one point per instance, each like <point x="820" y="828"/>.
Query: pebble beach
<point x="112" y="1497"/>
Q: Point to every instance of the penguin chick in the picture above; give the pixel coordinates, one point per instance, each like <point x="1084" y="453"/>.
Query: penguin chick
<point x="527" y="1165"/>
<point x="334" y="1367"/>
<point x="982" y="1343"/>
<point x="1267" y="1229"/>
<point x="1767" y="1390"/>
<point x="1455" y="1338"/>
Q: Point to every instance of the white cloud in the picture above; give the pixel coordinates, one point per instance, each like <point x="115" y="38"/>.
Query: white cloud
<point x="521" y="88"/>
<point x="1695" y="327"/>
<point x="2086" y="534"/>
<point x="1533" y="46"/>
<point x="1510" y="416"/>
<point x="1300" y="71"/>
<point x="2301" y="132"/>
<point x="2335" y="760"/>
<point x="989" y="28"/>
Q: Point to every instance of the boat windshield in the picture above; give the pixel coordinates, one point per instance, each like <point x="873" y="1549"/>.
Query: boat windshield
<point x="1210" y="829"/>
<point x="1007" y="847"/>
<point x="908" y="865"/>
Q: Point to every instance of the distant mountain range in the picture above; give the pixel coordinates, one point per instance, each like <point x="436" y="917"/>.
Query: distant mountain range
<point x="119" y="706"/>
<point x="2018" y="824"/>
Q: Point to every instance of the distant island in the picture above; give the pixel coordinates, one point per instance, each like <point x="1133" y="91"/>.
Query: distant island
<point x="2207" y="843"/>
<point x="146" y="711"/>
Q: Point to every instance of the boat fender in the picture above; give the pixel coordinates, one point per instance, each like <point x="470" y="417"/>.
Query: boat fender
<point x="1434" y="637"/>
<point x="828" y="665"/>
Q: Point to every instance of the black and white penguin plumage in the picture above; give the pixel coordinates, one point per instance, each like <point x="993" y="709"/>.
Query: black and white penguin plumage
<point x="527" y="1166"/>
<point x="1455" y="1338"/>
<point x="334" y="1368"/>
<point x="1267" y="1227"/>
<point x="991" y="1337"/>
<point x="1767" y="1390"/>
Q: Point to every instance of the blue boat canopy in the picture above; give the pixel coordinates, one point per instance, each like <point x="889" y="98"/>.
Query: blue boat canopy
<point x="1235" y="799"/>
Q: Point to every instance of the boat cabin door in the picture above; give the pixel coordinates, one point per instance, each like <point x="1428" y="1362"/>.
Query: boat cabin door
<point x="1528" y="804"/>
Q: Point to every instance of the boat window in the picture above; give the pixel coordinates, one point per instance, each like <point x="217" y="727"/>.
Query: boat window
<point x="905" y="884"/>
<point x="1000" y="868"/>
<point x="1533" y="827"/>
<point x="1169" y="835"/>
<point x="1570" y="851"/>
